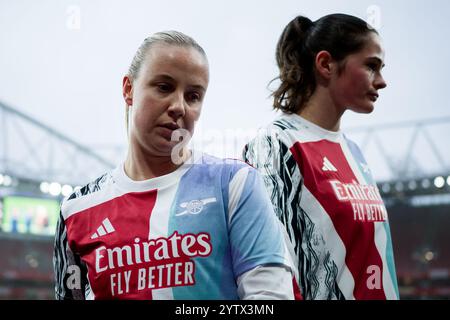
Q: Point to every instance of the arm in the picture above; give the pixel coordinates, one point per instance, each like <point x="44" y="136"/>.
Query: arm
<point x="261" y="260"/>
<point x="70" y="272"/>
<point x="282" y="179"/>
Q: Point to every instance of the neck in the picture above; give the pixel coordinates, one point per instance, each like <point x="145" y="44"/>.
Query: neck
<point x="322" y="111"/>
<point x="141" y="165"/>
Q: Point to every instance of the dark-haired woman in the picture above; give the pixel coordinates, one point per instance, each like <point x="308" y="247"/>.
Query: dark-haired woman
<point x="319" y="182"/>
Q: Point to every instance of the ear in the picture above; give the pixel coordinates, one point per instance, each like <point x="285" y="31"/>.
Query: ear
<point x="127" y="90"/>
<point x="324" y="64"/>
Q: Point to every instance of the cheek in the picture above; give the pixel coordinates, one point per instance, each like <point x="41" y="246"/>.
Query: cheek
<point x="356" y="85"/>
<point x="143" y="118"/>
<point x="191" y="117"/>
<point x="362" y="79"/>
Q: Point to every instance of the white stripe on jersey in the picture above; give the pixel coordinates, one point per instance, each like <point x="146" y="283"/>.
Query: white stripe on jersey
<point x="90" y="295"/>
<point x="108" y="226"/>
<point x="321" y="218"/>
<point x="109" y="192"/>
<point x="235" y="190"/>
<point x="159" y="227"/>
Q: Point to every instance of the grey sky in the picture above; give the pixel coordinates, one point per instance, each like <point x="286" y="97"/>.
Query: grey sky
<point x="71" y="78"/>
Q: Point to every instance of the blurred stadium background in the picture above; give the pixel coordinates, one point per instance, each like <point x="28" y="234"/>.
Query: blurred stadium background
<point x="39" y="166"/>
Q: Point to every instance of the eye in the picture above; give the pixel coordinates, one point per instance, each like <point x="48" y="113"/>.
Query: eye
<point x="164" y="87"/>
<point x="194" y="97"/>
<point x="373" y="66"/>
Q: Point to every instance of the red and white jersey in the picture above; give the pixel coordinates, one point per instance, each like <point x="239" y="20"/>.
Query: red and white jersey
<point x="323" y="192"/>
<point x="200" y="232"/>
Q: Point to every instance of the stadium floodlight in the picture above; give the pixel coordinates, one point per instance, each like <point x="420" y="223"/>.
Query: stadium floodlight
<point x="399" y="186"/>
<point x="426" y="183"/>
<point x="66" y="190"/>
<point x="7" y="181"/>
<point x="1" y="179"/>
<point x="448" y="180"/>
<point x="429" y="255"/>
<point x="45" y="187"/>
<point x="412" y="185"/>
<point x="386" y="187"/>
<point x="439" y="182"/>
<point x="55" y="189"/>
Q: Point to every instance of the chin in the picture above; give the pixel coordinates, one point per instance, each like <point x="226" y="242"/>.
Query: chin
<point x="165" y="148"/>
<point x="157" y="146"/>
<point x="368" y="109"/>
<point x="363" y="108"/>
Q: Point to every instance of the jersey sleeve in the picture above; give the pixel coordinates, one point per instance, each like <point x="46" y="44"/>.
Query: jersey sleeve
<point x="70" y="271"/>
<point x="266" y="283"/>
<point x="282" y="179"/>
<point x="256" y="235"/>
<point x="281" y="176"/>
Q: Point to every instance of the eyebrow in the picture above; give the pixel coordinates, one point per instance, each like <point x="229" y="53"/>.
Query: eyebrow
<point x="171" y="79"/>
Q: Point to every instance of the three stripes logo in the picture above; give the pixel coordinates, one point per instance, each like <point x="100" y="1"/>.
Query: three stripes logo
<point x="105" y="228"/>
<point x="327" y="165"/>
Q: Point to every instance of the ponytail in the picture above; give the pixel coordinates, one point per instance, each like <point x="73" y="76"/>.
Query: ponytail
<point x="296" y="66"/>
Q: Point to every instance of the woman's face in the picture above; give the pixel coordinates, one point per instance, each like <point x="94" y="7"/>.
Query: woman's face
<point x="356" y="86"/>
<point x="167" y="95"/>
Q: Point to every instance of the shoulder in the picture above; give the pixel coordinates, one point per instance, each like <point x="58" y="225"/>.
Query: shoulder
<point x="275" y="133"/>
<point x="224" y="171"/>
<point x="81" y="195"/>
<point x="271" y="142"/>
<point x="223" y="165"/>
<point x="350" y="142"/>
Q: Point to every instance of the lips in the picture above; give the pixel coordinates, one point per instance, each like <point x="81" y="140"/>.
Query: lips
<point x="167" y="129"/>
<point x="170" y="126"/>
<point x="373" y="96"/>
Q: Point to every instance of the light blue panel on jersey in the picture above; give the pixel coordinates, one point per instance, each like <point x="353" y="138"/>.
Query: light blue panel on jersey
<point x="199" y="206"/>
<point x="361" y="161"/>
<point x="390" y="258"/>
<point x="255" y="232"/>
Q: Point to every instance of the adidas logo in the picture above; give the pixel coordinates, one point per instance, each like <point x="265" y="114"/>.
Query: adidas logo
<point x="328" y="166"/>
<point x="105" y="228"/>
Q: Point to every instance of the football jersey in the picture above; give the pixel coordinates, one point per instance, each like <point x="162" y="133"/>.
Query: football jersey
<point x="185" y="235"/>
<point x="323" y="192"/>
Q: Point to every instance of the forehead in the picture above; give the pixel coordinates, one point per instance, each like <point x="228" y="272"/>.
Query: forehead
<point x="373" y="47"/>
<point x="175" y="60"/>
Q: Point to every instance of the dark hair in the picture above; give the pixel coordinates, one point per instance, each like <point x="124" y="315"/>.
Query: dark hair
<point x="301" y="40"/>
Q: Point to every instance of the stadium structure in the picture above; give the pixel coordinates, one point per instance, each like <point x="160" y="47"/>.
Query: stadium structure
<point x="39" y="166"/>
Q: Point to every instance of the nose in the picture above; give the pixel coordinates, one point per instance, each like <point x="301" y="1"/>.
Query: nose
<point x="380" y="83"/>
<point x="176" y="108"/>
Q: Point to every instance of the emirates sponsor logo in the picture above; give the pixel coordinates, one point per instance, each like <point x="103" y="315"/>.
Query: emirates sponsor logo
<point x="365" y="200"/>
<point x="151" y="264"/>
<point x="176" y="246"/>
<point x="355" y="191"/>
